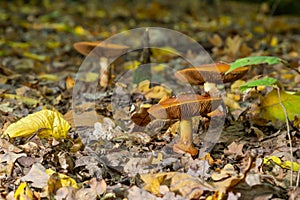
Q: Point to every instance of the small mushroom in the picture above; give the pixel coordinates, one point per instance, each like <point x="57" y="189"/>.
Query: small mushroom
<point x="103" y="51"/>
<point x="210" y="73"/>
<point x="100" y="49"/>
<point x="184" y="107"/>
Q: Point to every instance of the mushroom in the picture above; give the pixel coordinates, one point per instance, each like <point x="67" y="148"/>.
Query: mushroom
<point x="210" y="73"/>
<point x="103" y="51"/>
<point x="183" y="108"/>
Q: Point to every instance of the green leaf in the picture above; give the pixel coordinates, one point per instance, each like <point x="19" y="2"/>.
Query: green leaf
<point x="272" y="110"/>
<point x="253" y="60"/>
<point x="266" y="81"/>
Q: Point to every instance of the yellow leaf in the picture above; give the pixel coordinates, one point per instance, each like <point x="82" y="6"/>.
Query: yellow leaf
<point x="88" y="77"/>
<point x="286" y="164"/>
<point x="65" y="181"/>
<point x="79" y="30"/>
<point x="272" y="110"/>
<point x="49" y="77"/>
<point x="156" y="92"/>
<point x="23" y="192"/>
<point x="159" y="158"/>
<point x="18" y="45"/>
<point x="164" y="53"/>
<point x="144" y="86"/>
<point x="131" y="64"/>
<point x="45" y="124"/>
<point x="152" y="183"/>
<point x="35" y="56"/>
<point x="270" y="159"/>
<point x="159" y="68"/>
<point x="274" y="41"/>
<point x="231" y="103"/>
<point x="290" y="165"/>
<point x="53" y="44"/>
<point x="26" y="100"/>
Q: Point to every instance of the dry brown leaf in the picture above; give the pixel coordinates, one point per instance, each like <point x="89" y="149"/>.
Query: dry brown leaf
<point x="188" y="186"/>
<point x="235" y="149"/>
<point x="234" y="179"/>
<point x="135" y="193"/>
<point x="70" y="82"/>
<point x="233" y="45"/>
<point x="9" y="146"/>
<point x="37" y="176"/>
<point x="216" y="40"/>
<point x="95" y="189"/>
<point x="88" y="118"/>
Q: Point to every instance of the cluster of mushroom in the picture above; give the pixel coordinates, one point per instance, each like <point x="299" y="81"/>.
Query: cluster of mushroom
<point x="183" y="107"/>
<point x="186" y="106"/>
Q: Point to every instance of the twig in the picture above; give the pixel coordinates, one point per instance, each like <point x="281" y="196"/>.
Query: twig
<point x="288" y="133"/>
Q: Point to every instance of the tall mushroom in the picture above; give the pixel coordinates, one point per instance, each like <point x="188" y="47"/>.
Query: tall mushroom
<point x="183" y="108"/>
<point x="103" y="51"/>
<point x="210" y="73"/>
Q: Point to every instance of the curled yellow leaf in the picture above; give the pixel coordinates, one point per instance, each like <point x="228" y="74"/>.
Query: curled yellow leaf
<point x="45" y="124"/>
<point x="23" y="192"/>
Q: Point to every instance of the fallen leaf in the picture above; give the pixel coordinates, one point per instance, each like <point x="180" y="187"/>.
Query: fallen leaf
<point x="23" y="192"/>
<point x="235" y="149"/>
<point x="70" y="82"/>
<point x="231" y="103"/>
<point x="10" y="158"/>
<point x="233" y="177"/>
<point x="131" y="65"/>
<point x="226" y="172"/>
<point x="45" y="124"/>
<point x="60" y="180"/>
<point x="164" y="53"/>
<point x="283" y="164"/>
<point x="188" y="186"/>
<point x="141" y="118"/>
<point x="135" y="193"/>
<point x="233" y="45"/>
<point x="37" y="176"/>
<point x="156" y="92"/>
<point x="95" y="189"/>
<point x="49" y="77"/>
<point x="216" y="40"/>
<point x="159" y="158"/>
<point x="272" y="110"/>
<point x="26" y="100"/>
<point x="9" y="146"/>
<point x="35" y="56"/>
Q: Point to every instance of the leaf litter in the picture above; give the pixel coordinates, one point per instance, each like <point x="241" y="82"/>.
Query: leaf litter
<point x="38" y="70"/>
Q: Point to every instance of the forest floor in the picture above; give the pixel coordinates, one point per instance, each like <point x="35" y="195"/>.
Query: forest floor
<point x="107" y="156"/>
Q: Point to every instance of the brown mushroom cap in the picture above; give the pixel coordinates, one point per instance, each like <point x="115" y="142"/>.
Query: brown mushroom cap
<point x="184" y="106"/>
<point x="102" y="49"/>
<point x="209" y="72"/>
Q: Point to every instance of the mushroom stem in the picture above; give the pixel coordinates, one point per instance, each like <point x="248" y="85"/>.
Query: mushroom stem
<point x="104" y="72"/>
<point x="185" y="142"/>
